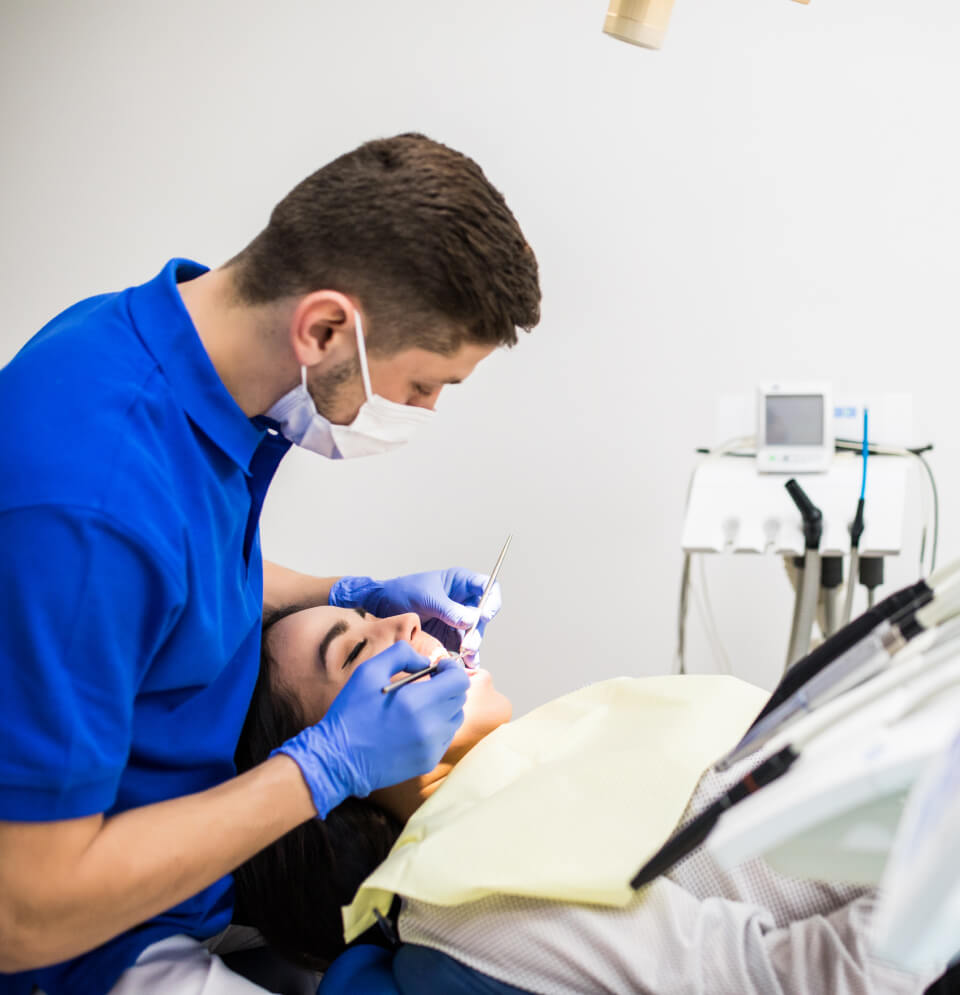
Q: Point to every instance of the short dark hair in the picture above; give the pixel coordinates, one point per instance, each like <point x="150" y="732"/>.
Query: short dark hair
<point x="293" y="890"/>
<point x="412" y="229"/>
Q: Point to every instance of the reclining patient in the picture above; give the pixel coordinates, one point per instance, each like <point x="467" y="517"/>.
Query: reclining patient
<point x="513" y="876"/>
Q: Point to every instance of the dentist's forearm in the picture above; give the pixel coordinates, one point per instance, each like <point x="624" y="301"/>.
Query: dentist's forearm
<point x="283" y="587"/>
<point x="68" y="887"/>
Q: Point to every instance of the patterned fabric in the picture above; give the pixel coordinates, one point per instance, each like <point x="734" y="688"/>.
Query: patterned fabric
<point x="698" y="931"/>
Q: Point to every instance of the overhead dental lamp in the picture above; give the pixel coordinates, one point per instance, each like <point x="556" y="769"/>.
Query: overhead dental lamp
<point x="641" y="22"/>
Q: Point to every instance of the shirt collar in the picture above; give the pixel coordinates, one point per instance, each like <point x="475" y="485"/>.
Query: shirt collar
<point x="166" y="329"/>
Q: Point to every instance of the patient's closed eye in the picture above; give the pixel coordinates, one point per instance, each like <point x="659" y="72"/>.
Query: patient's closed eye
<point x="354" y="653"/>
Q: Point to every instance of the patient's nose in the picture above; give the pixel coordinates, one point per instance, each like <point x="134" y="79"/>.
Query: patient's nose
<point x="405" y="627"/>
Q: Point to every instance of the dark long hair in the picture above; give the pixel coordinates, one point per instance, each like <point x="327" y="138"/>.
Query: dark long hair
<point x="292" y="891"/>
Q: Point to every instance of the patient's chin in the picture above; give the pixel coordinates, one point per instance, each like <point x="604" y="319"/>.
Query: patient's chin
<point x="486" y="709"/>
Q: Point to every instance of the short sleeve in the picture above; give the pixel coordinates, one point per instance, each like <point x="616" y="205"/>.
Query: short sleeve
<point x="85" y="608"/>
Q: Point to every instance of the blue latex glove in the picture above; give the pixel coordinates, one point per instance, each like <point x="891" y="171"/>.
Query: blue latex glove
<point x="445" y="600"/>
<point x="369" y="740"/>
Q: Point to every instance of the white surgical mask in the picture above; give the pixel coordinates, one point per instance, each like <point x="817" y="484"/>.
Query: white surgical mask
<point x="380" y="425"/>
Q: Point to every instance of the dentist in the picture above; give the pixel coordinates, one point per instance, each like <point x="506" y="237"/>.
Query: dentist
<point x="141" y="432"/>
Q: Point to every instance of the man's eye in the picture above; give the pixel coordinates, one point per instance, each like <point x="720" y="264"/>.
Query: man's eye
<point x="354" y="653"/>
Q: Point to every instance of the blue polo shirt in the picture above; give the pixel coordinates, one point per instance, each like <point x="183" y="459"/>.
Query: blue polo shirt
<point x="130" y="492"/>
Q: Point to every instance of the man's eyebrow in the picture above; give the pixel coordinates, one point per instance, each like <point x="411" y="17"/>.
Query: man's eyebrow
<point x="338" y="630"/>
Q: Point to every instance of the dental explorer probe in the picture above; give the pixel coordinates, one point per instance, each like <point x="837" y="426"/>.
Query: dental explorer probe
<point x="486" y="591"/>
<point x="873" y="654"/>
<point x="432" y="669"/>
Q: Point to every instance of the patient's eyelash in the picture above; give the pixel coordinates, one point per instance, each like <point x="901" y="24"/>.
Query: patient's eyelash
<point x="354" y="653"/>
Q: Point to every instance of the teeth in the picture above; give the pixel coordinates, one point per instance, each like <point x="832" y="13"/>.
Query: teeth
<point x="440" y="654"/>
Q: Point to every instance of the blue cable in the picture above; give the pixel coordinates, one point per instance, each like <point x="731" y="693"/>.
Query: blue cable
<point x="863" y="485"/>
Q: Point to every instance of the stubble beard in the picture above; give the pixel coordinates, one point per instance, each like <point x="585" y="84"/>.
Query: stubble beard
<point x="327" y="388"/>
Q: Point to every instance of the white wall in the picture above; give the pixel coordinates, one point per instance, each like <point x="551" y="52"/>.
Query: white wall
<point x="773" y="194"/>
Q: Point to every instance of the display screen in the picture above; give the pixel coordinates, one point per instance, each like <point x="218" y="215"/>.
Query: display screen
<point x="794" y="420"/>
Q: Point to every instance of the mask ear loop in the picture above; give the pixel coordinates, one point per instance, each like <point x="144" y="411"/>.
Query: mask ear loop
<point x="362" y="355"/>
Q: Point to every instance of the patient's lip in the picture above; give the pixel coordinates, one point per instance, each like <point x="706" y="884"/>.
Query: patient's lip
<point x="439" y="652"/>
<point x="470" y="667"/>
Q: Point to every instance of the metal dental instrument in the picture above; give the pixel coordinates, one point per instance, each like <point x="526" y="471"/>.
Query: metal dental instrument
<point x="432" y="669"/>
<point x="486" y="592"/>
<point x="417" y="674"/>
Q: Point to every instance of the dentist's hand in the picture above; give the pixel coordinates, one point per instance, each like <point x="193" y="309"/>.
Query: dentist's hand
<point x="445" y="600"/>
<point x="368" y="740"/>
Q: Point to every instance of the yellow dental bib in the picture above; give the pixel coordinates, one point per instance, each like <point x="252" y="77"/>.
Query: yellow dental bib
<point x="568" y="801"/>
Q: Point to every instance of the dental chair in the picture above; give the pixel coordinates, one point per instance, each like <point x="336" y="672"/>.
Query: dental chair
<point x="363" y="968"/>
<point x="410" y="970"/>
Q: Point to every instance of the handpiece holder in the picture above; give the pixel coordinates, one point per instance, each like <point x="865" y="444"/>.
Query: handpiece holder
<point x="809" y="512"/>
<point x="856" y="527"/>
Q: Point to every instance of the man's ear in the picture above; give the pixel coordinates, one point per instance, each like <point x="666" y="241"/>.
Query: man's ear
<point x="322" y="328"/>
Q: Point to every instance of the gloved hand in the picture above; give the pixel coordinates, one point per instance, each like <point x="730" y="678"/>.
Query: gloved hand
<point x="445" y="600"/>
<point x="368" y="740"/>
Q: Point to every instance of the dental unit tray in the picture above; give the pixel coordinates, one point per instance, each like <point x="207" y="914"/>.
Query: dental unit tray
<point x="733" y="508"/>
<point x="834" y="817"/>
<point x="926" y="671"/>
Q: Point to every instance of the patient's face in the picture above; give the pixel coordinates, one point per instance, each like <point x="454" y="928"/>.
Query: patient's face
<point x="317" y="649"/>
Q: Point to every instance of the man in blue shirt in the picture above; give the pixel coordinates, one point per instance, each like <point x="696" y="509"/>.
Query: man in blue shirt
<point x="142" y="429"/>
